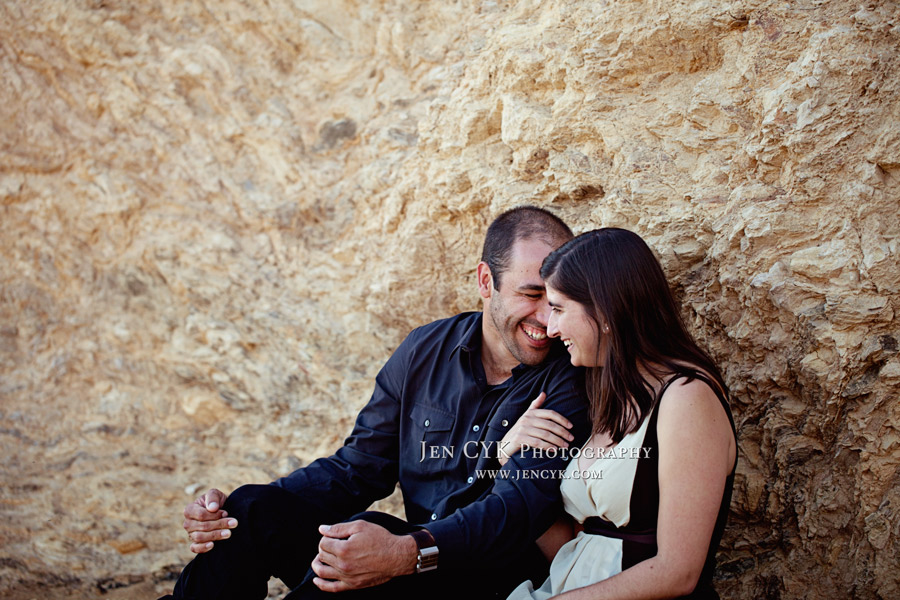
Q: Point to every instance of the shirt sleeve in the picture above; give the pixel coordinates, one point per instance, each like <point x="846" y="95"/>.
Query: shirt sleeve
<point x="365" y="468"/>
<point x="525" y="498"/>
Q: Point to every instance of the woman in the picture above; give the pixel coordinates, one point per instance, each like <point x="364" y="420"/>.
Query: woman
<point x="649" y="491"/>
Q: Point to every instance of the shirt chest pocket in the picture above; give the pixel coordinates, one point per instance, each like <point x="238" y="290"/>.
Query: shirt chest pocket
<point x="432" y="430"/>
<point x="429" y="422"/>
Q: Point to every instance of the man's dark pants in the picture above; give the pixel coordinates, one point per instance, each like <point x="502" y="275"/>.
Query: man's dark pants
<point x="277" y="536"/>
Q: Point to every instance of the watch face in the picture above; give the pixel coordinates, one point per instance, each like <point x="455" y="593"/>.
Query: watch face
<point x="427" y="559"/>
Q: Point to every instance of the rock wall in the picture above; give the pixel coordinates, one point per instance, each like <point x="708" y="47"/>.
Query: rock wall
<point x="218" y="219"/>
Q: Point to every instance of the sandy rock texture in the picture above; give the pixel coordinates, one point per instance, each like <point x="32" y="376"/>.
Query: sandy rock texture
<point x="217" y="219"/>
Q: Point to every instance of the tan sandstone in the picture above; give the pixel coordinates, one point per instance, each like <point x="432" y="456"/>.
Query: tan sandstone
<point x="218" y="219"/>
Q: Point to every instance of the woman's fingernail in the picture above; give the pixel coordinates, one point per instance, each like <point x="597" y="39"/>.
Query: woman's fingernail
<point x="226" y="534"/>
<point x="232" y="522"/>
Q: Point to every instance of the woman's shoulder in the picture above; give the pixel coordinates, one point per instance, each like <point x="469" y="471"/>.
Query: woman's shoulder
<point x="688" y="387"/>
<point x="692" y="406"/>
<point x="683" y="388"/>
<point x="690" y="378"/>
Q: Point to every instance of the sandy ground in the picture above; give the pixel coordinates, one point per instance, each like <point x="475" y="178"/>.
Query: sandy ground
<point x="146" y="590"/>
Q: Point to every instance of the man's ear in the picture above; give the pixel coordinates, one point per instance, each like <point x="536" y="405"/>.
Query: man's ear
<point x="485" y="280"/>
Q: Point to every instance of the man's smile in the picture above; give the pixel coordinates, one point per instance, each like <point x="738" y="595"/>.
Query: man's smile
<point x="537" y="335"/>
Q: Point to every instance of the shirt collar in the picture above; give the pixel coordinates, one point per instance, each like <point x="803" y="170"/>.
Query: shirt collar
<point x="470" y="341"/>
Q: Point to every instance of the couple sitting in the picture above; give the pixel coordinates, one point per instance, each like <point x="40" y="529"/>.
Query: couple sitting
<point x="628" y="395"/>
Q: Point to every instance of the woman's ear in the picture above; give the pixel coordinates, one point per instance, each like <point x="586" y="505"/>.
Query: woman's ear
<point x="485" y="280"/>
<point x="604" y="324"/>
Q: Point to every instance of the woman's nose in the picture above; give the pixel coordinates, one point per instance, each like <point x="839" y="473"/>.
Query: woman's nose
<point x="552" y="325"/>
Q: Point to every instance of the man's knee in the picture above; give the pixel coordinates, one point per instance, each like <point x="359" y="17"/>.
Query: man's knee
<point x="393" y="524"/>
<point x="243" y="499"/>
<point x="274" y="512"/>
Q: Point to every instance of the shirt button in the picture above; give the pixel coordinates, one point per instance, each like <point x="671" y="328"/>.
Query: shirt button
<point x="433" y="517"/>
<point x="505" y="423"/>
<point x="470" y="479"/>
<point x="476" y="428"/>
<point x="427" y="422"/>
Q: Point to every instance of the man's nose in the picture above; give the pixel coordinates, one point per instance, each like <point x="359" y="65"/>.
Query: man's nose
<point x="543" y="313"/>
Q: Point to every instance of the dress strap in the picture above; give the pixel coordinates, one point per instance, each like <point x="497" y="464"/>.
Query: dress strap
<point x="691" y="374"/>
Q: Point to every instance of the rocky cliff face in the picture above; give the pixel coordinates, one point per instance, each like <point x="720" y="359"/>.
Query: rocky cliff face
<point x="218" y="219"/>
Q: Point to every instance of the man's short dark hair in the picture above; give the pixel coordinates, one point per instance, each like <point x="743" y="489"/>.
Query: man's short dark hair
<point x="520" y="223"/>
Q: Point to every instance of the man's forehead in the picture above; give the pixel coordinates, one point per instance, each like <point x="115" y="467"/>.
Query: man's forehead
<point x="529" y="253"/>
<point x="524" y="270"/>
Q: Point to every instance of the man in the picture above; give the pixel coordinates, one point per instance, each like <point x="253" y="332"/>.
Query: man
<point x="441" y="406"/>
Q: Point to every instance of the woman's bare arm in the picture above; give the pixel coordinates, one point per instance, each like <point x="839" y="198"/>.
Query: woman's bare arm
<point x="696" y="455"/>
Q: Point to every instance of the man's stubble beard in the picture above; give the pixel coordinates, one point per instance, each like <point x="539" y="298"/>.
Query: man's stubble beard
<point x="507" y="331"/>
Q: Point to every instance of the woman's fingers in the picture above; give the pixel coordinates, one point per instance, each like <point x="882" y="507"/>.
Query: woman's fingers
<point x="537" y="428"/>
<point x="555" y="428"/>
<point x="546" y="441"/>
<point x="537" y="401"/>
<point x="548" y="415"/>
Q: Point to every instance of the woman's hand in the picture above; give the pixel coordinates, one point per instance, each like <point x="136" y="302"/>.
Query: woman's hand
<point x="536" y="428"/>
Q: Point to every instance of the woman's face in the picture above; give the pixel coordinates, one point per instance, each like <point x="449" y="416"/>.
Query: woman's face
<point x="571" y="323"/>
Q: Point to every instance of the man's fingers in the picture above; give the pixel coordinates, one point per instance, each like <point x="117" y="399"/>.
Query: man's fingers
<point x="330" y="563"/>
<point x="191" y="525"/>
<point x="202" y="537"/>
<point x="206" y="523"/>
<point x="213" y="500"/>
<point x="330" y="586"/>
<point x="340" y="531"/>
<point x="207" y="507"/>
<point x="327" y="574"/>
<point x="330" y="550"/>
<point x="201" y="548"/>
<point x="198" y="512"/>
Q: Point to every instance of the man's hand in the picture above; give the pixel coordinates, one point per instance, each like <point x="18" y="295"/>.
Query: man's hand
<point x="360" y="554"/>
<point x="206" y="522"/>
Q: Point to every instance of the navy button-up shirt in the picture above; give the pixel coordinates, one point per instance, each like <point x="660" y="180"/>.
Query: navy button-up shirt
<point x="434" y="424"/>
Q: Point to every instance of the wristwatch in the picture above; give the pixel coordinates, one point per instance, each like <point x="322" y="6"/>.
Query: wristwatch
<point x="428" y="551"/>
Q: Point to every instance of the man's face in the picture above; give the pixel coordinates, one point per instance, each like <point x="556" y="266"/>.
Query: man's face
<point x="519" y="309"/>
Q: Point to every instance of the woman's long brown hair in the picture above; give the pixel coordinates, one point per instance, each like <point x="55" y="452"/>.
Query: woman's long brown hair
<point x="615" y="276"/>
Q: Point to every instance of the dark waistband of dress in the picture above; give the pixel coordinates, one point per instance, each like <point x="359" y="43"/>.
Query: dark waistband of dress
<point x="600" y="526"/>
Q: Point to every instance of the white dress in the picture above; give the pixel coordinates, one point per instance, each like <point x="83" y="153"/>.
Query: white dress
<point x="590" y="558"/>
<point x="622" y="488"/>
